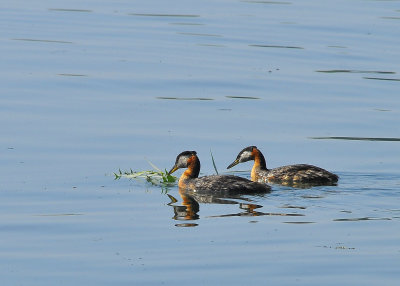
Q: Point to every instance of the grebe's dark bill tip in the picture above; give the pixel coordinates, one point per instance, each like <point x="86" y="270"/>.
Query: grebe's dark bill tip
<point x="234" y="163"/>
<point x="174" y="168"/>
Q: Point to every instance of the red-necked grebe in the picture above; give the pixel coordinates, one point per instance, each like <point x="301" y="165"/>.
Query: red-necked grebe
<point x="216" y="183"/>
<point x="287" y="175"/>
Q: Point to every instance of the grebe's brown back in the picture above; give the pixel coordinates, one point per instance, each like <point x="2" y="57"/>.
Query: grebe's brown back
<point x="217" y="183"/>
<point x="287" y="175"/>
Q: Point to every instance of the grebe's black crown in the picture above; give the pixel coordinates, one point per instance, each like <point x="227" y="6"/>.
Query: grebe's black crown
<point x="186" y="154"/>
<point x="183" y="157"/>
<point x="249" y="149"/>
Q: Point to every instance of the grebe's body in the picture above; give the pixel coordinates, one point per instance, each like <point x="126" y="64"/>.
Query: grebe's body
<point x="297" y="174"/>
<point x="217" y="183"/>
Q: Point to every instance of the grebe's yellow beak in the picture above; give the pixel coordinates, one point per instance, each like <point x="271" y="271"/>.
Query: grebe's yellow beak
<point x="174" y="168"/>
<point x="234" y="163"/>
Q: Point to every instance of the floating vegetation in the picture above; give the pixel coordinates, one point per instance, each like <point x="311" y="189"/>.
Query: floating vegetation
<point x="155" y="177"/>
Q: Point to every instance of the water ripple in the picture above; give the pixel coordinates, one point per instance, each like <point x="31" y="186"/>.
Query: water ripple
<point x="267" y="2"/>
<point x="70" y="10"/>
<point x="41" y="40"/>
<point x="71" y="74"/>
<point x="199" y="34"/>
<point x="164" y="15"/>
<point x="276" y="46"/>
<point x="362" y="219"/>
<point x="382" y="78"/>
<point x="184" y="98"/>
<point x="242" y="97"/>
<point x="357" y="138"/>
<point x="355" y="71"/>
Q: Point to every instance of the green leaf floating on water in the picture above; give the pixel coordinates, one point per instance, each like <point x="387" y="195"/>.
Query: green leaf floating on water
<point x="155" y="177"/>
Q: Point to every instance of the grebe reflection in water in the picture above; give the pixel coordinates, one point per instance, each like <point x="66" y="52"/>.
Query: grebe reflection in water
<point x="191" y="202"/>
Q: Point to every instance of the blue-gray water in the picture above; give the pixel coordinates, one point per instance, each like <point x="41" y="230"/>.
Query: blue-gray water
<point x="88" y="87"/>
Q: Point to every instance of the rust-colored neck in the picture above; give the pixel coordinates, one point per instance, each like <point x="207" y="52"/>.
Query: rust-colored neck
<point x="259" y="164"/>
<point x="191" y="172"/>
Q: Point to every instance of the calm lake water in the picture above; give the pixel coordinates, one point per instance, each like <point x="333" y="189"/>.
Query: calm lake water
<point x="90" y="87"/>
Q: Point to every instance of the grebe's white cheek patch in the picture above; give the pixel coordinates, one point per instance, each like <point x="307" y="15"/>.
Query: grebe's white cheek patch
<point x="182" y="162"/>
<point x="245" y="156"/>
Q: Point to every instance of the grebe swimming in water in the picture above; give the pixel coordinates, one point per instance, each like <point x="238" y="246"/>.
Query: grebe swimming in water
<point x="216" y="183"/>
<point x="287" y="175"/>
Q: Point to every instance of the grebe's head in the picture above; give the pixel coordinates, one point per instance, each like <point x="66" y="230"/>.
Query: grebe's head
<point x="245" y="155"/>
<point x="183" y="160"/>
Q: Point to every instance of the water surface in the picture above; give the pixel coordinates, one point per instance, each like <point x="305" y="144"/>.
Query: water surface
<point x="89" y="87"/>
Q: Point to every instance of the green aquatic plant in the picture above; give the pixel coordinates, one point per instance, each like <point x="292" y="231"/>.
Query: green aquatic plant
<point x="155" y="177"/>
<point x="215" y="166"/>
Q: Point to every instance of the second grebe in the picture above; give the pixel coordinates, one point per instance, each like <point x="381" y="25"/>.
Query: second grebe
<point x="216" y="183"/>
<point x="288" y="175"/>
